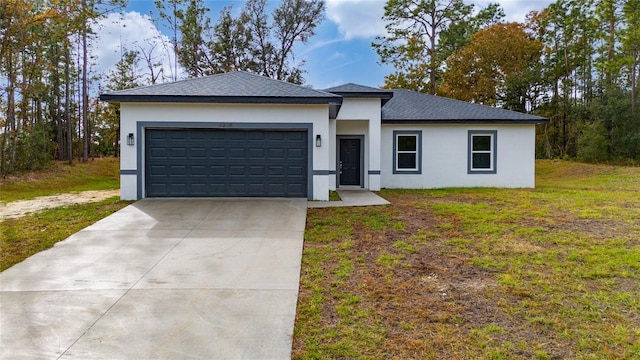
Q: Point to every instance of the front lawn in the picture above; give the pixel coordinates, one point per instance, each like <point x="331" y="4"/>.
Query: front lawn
<point x="550" y="273"/>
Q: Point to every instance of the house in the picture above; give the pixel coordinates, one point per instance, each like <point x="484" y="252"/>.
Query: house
<point x="239" y="134"/>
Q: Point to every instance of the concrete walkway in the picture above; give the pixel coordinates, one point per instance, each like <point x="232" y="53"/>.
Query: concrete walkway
<point x="171" y="279"/>
<point x="351" y="198"/>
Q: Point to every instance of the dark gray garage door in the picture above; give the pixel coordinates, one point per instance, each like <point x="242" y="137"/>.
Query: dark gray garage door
<point x="225" y="162"/>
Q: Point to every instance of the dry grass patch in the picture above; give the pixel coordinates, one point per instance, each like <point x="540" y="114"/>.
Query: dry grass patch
<point x="60" y="177"/>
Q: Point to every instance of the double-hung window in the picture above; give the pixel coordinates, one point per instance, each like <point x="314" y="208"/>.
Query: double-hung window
<point x="482" y="151"/>
<point x="407" y="146"/>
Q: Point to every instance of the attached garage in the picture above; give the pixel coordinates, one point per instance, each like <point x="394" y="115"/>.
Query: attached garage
<point x="227" y="135"/>
<point x="226" y="162"/>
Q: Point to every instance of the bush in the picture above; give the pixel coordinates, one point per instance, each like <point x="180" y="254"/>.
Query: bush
<point x="593" y="143"/>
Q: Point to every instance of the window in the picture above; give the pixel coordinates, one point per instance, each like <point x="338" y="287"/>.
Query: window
<point x="407" y="146"/>
<point x="482" y="152"/>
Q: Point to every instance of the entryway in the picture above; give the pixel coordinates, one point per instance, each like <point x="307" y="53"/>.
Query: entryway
<point x="350" y="161"/>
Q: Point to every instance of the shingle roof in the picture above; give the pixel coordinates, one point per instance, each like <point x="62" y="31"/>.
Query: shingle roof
<point x="360" y="91"/>
<point x="354" y="88"/>
<point x="413" y="107"/>
<point x="235" y="87"/>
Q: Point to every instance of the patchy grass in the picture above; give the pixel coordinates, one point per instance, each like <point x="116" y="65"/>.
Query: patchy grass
<point x="334" y="196"/>
<point x="550" y="273"/>
<point x="28" y="235"/>
<point x="60" y="177"/>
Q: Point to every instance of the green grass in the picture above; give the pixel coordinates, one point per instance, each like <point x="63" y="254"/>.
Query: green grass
<point x="28" y="235"/>
<point x="333" y="196"/>
<point x="97" y="174"/>
<point x="551" y="272"/>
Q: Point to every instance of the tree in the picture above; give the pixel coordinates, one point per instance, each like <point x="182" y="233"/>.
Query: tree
<point x="125" y="76"/>
<point x="254" y="41"/>
<point x="170" y="17"/>
<point x="192" y="48"/>
<point x="498" y="67"/>
<point x="569" y="31"/>
<point x="230" y="45"/>
<point x="422" y="33"/>
<point x="294" y="22"/>
<point x="631" y="48"/>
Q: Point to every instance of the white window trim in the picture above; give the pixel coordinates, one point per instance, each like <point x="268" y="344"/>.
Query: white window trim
<point x="493" y="152"/>
<point x="418" y="151"/>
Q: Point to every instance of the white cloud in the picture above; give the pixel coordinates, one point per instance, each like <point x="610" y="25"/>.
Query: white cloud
<point x="117" y="33"/>
<point x="363" y="18"/>
<point x="516" y="10"/>
<point x="357" y="18"/>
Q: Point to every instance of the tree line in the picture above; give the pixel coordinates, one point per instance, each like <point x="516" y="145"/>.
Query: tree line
<point x="48" y="104"/>
<point x="575" y="62"/>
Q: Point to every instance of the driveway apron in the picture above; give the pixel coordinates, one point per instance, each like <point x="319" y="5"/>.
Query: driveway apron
<point x="172" y="279"/>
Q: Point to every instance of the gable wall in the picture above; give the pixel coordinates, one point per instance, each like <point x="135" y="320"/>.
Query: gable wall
<point x="445" y="157"/>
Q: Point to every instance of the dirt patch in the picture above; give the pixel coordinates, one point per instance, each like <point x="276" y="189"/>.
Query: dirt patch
<point x="21" y="208"/>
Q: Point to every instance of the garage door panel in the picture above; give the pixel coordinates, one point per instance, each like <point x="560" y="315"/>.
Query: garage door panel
<point x="295" y="154"/>
<point x="257" y="170"/>
<point x="178" y="170"/>
<point x="276" y="154"/>
<point x="294" y="188"/>
<point x="295" y="170"/>
<point x="197" y="153"/>
<point x="178" y="189"/>
<point x="198" y="171"/>
<point x="275" y="136"/>
<point x="217" y="170"/>
<point x="198" y="189"/>
<point x="177" y="135"/>
<point x="237" y="153"/>
<point x="257" y="154"/>
<point x="225" y="162"/>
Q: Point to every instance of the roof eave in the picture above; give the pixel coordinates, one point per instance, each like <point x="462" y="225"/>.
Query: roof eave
<point x="464" y="121"/>
<point x="386" y="95"/>
<point x="117" y="98"/>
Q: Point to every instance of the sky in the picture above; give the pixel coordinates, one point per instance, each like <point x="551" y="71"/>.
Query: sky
<point x="339" y="53"/>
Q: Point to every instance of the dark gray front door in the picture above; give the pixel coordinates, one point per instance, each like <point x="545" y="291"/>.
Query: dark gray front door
<point x="349" y="162"/>
<point x="225" y="162"/>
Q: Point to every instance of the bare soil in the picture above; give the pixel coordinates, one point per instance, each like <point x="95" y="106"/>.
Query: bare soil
<point x="16" y="209"/>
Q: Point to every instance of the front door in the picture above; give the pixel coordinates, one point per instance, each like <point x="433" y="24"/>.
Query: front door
<point x="349" y="162"/>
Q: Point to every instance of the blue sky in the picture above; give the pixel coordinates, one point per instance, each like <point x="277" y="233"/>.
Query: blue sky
<point x="339" y="53"/>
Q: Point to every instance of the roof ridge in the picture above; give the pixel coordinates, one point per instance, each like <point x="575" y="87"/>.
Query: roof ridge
<point x="281" y="81"/>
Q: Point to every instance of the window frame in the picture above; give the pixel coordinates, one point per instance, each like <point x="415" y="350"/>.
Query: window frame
<point x="493" y="152"/>
<point x="418" y="151"/>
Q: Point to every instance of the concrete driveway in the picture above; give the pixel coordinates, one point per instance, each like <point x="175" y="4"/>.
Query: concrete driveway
<point x="173" y="279"/>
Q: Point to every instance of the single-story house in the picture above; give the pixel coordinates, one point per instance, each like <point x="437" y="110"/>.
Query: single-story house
<point x="243" y="135"/>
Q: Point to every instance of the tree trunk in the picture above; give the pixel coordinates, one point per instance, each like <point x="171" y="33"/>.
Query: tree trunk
<point x="67" y="105"/>
<point x="85" y="95"/>
<point x="634" y="80"/>
<point x="612" y="41"/>
<point x="433" y="64"/>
